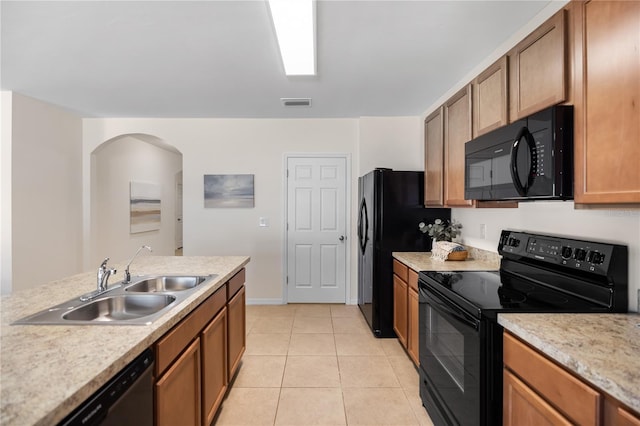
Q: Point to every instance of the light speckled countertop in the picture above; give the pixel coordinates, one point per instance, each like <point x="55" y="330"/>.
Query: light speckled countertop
<point x="603" y="349"/>
<point x="47" y="371"/>
<point x="478" y="260"/>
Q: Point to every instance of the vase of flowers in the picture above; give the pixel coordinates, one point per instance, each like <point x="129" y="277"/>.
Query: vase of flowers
<point x="441" y="230"/>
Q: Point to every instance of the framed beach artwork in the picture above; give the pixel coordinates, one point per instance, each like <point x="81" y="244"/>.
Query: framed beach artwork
<point x="144" y="207"/>
<point x="228" y="191"/>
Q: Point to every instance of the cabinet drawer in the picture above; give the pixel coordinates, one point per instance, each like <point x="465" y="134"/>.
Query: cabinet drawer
<point x="413" y="279"/>
<point x="169" y="346"/>
<point x="235" y="283"/>
<point x="401" y="270"/>
<point x="575" y="399"/>
<point x="625" y="418"/>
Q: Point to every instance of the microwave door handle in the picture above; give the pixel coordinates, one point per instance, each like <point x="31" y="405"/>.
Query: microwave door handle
<point x="523" y="133"/>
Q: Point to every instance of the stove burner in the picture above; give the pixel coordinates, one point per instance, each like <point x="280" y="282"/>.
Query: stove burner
<point x="509" y="297"/>
<point x="548" y="298"/>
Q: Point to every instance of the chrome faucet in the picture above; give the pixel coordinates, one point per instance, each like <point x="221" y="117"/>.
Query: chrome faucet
<point x="103" y="276"/>
<point x="127" y="275"/>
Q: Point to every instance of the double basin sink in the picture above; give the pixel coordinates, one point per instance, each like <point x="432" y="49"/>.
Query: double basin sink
<point x="139" y="302"/>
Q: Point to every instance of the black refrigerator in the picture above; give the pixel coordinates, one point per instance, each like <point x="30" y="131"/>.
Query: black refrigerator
<point x="391" y="205"/>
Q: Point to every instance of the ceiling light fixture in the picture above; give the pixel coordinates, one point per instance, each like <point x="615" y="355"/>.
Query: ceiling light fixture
<point x="294" y="22"/>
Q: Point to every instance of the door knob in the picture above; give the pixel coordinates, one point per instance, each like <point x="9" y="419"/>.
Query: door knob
<point x="341" y="238"/>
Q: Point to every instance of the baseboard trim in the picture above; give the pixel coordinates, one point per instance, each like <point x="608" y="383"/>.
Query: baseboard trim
<point x="265" y="302"/>
<point x="281" y="302"/>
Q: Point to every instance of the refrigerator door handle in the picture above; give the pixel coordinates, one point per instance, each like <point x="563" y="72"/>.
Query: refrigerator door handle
<point x="363" y="219"/>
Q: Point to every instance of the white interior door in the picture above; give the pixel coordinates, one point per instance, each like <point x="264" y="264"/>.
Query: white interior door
<point x="316" y="229"/>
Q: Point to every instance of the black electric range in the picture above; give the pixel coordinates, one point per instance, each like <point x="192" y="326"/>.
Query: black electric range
<point x="460" y="339"/>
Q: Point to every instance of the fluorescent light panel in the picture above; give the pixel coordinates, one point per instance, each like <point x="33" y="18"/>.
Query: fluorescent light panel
<point x="294" y="21"/>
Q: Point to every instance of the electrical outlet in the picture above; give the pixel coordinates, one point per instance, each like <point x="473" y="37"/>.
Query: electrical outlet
<point x="263" y="222"/>
<point x="483" y="231"/>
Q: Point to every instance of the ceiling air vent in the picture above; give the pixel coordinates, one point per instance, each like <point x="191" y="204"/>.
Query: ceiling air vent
<point x="296" y="102"/>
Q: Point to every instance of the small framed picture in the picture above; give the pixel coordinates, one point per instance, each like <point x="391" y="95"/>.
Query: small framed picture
<point x="228" y="191"/>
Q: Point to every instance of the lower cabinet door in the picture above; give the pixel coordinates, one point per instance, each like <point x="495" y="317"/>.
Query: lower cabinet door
<point x="178" y="390"/>
<point x="522" y="406"/>
<point x="400" y="309"/>
<point x="213" y="341"/>
<point x="625" y="418"/>
<point x="413" y="336"/>
<point x="236" y="331"/>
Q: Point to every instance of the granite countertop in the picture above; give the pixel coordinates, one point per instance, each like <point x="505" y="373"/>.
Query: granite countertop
<point x="47" y="371"/>
<point x="603" y="349"/>
<point x="478" y="260"/>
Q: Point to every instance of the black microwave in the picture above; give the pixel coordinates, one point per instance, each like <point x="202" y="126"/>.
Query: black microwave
<point x="529" y="159"/>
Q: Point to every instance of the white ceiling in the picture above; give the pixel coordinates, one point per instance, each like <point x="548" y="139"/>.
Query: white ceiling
<point x="220" y="58"/>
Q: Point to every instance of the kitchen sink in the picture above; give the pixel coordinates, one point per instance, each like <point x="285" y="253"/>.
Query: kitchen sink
<point x="166" y="283"/>
<point x="140" y="302"/>
<point x="120" y="308"/>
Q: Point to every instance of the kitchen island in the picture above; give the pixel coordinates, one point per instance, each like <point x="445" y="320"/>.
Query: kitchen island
<point x="47" y="371"/>
<point x="601" y="349"/>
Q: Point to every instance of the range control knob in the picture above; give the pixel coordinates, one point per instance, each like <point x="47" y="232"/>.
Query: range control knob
<point x="513" y="242"/>
<point x="579" y="254"/>
<point x="595" y="257"/>
<point x="566" y="252"/>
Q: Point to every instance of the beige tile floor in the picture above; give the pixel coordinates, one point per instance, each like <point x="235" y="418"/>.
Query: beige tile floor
<point x="320" y="365"/>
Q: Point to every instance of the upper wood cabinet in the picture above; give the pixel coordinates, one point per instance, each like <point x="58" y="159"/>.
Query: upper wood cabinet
<point x="434" y="159"/>
<point x="537" y="69"/>
<point x="457" y="131"/>
<point x="490" y="98"/>
<point x="607" y="101"/>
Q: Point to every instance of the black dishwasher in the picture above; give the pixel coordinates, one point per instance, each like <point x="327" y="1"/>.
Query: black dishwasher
<point x="126" y="400"/>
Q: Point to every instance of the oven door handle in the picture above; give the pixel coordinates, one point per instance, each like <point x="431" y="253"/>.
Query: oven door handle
<point x="452" y="311"/>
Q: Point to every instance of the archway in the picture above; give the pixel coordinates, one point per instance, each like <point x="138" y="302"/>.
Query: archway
<point x="134" y="197"/>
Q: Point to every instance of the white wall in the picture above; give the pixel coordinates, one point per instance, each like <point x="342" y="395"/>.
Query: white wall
<point x="46" y="182"/>
<point x="391" y="142"/>
<point x="6" y="108"/>
<point x="116" y="163"/>
<point x="236" y="146"/>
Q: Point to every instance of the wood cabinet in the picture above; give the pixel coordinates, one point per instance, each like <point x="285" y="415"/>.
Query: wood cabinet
<point x="213" y="342"/>
<point x="236" y="328"/>
<point x="607" y="101"/>
<point x="405" y="308"/>
<point x="413" y="322"/>
<point x="400" y="309"/>
<point x="624" y="417"/>
<point x="491" y="98"/>
<point x="434" y="159"/>
<point x="457" y="131"/>
<point x="177" y="392"/>
<point x="538" y="69"/>
<point x="523" y="406"/>
<point x="194" y="358"/>
<point x="537" y="391"/>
